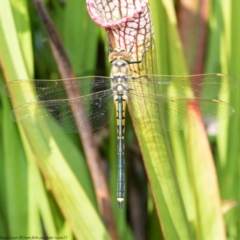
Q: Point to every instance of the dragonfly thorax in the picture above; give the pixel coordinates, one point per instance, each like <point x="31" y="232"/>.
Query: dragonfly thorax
<point x="119" y="85"/>
<point x="120" y="60"/>
<point x="120" y="68"/>
<point x="119" y="77"/>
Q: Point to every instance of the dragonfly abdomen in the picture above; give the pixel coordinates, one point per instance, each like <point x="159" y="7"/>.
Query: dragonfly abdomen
<point x="120" y="109"/>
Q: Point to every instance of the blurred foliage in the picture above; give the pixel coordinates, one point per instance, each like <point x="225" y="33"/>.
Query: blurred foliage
<point x="45" y="187"/>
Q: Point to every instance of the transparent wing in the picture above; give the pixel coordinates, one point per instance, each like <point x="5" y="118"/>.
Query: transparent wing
<point x="51" y="105"/>
<point x="201" y="86"/>
<point x="55" y="89"/>
<point x="165" y="95"/>
<point x="175" y="111"/>
<point x="158" y="97"/>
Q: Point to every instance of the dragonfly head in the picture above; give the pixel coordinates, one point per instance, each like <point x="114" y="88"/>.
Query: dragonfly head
<point x="119" y="54"/>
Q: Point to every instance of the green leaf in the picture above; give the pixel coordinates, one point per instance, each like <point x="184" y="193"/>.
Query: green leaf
<point x="62" y="165"/>
<point x="209" y="222"/>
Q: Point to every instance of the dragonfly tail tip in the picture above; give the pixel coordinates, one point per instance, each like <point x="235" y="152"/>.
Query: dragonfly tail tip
<point x="120" y="203"/>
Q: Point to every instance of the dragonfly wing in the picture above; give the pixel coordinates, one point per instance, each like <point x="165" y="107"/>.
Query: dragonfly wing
<point x="174" y="112"/>
<point x="201" y="86"/>
<point x="58" y="113"/>
<point x="50" y="104"/>
<point x="41" y="90"/>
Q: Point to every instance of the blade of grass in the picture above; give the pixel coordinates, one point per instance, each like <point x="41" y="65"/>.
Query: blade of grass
<point x="15" y="197"/>
<point x="50" y="152"/>
<point x="170" y="60"/>
<point x="229" y="132"/>
<point x="223" y="55"/>
<point x="86" y="136"/>
<point x="14" y="193"/>
<point x="233" y="222"/>
<point x="209" y="222"/>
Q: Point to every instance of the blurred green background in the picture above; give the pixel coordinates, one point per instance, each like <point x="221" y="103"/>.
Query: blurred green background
<point x="45" y="187"/>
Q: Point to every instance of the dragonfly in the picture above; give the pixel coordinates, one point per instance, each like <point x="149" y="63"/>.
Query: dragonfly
<point x="51" y="107"/>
